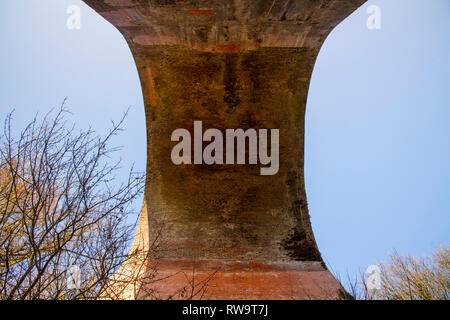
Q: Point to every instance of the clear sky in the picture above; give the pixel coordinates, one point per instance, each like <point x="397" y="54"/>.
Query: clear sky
<point x="377" y="158"/>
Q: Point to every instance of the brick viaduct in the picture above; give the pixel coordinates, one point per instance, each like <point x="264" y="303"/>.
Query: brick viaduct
<point x="231" y="64"/>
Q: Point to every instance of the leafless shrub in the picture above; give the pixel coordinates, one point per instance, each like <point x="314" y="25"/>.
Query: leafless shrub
<point x="413" y="278"/>
<point x="60" y="207"/>
<point x="66" y="224"/>
<point x="405" y="277"/>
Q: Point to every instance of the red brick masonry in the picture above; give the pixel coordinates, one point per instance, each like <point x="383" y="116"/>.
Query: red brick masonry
<point x="242" y="280"/>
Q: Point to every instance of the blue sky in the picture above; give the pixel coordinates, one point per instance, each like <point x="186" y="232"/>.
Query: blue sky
<point x="377" y="157"/>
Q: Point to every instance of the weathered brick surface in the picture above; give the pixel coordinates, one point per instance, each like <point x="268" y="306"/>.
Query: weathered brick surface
<point x="232" y="64"/>
<point x="243" y="280"/>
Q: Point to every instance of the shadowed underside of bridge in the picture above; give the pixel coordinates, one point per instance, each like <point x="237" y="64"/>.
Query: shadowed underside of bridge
<point x="231" y="64"/>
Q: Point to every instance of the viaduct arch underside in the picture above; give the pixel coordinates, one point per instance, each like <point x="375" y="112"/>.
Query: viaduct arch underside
<point x="230" y="64"/>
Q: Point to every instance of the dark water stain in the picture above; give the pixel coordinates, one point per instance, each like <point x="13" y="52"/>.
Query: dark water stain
<point x="231" y="98"/>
